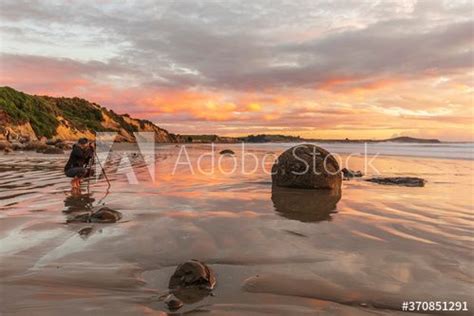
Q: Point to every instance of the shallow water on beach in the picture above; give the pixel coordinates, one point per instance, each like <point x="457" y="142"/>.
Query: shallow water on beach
<point x="281" y="252"/>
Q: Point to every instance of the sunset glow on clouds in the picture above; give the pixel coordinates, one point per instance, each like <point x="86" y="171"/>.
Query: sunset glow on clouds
<point x="322" y="69"/>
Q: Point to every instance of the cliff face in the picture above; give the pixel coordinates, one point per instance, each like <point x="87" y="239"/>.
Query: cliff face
<point x="35" y="117"/>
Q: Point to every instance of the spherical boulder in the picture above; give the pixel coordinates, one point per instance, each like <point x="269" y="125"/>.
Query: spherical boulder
<point x="307" y="166"/>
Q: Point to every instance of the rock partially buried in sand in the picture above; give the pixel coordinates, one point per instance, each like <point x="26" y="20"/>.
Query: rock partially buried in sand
<point x="104" y="215"/>
<point x="305" y="205"/>
<point x="63" y="145"/>
<point x="226" y="152"/>
<point x="348" y="173"/>
<point x="307" y="167"/>
<point x="51" y="151"/>
<point x="192" y="273"/>
<point x="85" y="231"/>
<point x="52" y="142"/>
<point x="191" y="282"/>
<point x="173" y="302"/>
<point x="34" y="145"/>
<point x="402" y="181"/>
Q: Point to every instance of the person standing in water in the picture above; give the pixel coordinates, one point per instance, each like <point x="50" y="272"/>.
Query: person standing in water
<point x="76" y="166"/>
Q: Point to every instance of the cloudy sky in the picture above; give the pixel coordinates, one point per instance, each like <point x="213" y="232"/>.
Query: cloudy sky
<point x="325" y="69"/>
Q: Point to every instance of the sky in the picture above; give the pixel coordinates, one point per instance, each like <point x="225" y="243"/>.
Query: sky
<point x="319" y="69"/>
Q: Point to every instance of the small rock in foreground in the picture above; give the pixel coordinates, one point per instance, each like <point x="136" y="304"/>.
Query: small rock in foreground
<point x="104" y="215"/>
<point x="85" y="231"/>
<point x="192" y="273"/>
<point x="402" y="181"/>
<point x="191" y="282"/>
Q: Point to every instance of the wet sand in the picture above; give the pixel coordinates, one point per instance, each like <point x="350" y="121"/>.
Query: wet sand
<point x="364" y="252"/>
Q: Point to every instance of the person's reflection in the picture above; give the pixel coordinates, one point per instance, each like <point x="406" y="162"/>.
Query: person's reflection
<point x="305" y="205"/>
<point x="78" y="203"/>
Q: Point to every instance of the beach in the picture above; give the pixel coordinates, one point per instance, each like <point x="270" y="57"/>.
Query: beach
<point x="272" y="254"/>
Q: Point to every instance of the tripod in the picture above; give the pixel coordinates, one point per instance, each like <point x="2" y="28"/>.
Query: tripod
<point x="89" y="170"/>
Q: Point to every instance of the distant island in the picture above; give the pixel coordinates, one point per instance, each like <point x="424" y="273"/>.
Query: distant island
<point x="33" y="117"/>
<point x="270" y="138"/>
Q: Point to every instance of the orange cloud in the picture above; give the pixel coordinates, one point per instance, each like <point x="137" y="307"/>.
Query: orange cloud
<point x="203" y="105"/>
<point x="254" y="107"/>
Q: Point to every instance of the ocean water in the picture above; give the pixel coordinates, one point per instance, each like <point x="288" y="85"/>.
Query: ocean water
<point x="275" y="252"/>
<point x="435" y="150"/>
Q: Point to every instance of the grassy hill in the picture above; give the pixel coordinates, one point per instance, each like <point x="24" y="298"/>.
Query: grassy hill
<point x="67" y="118"/>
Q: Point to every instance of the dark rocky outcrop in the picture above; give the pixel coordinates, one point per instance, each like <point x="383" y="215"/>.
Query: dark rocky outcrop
<point x="402" y="181"/>
<point x="52" y="142"/>
<point x="51" y="150"/>
<point x="307" y="167"/>
<point x="34" y="146"/>
<point x="5" y="145"/>
<point x="348" y="173"/>
<point x="63" y="145"/>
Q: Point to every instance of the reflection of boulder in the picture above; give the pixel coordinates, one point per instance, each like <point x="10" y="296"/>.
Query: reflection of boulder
<point x="305" y="205"/>
<point x="307" y="166"/>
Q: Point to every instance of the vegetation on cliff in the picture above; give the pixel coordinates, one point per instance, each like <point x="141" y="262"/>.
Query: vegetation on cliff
<point x="22" y="108"/>
<point x="45" y="114"/>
